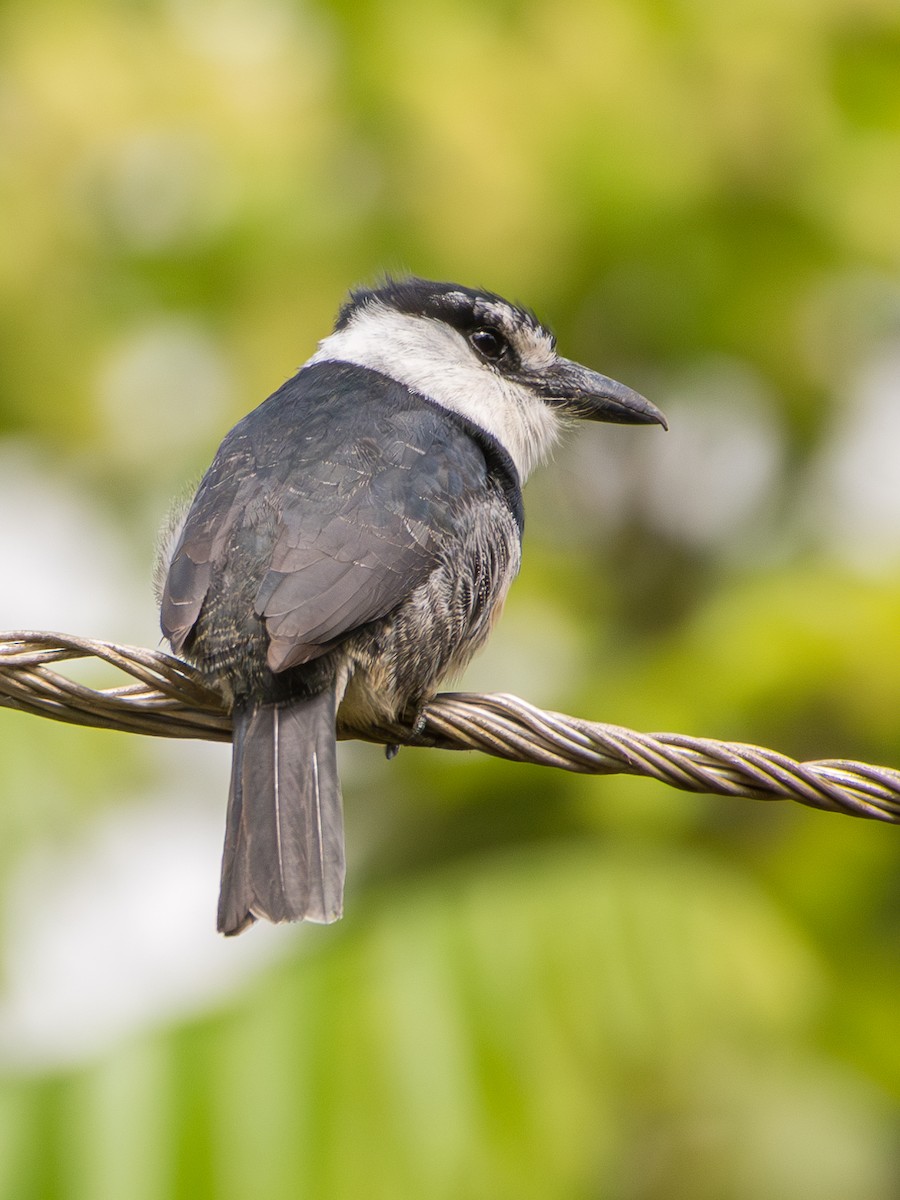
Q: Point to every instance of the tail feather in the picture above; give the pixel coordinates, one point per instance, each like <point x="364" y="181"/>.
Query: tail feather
<point x="284" y="839"/>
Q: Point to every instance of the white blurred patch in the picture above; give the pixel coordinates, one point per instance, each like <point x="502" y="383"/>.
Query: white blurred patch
<point x="548" y="673"/>
<point x="855" y="498"/>
<point x="163" y="388"/>
<point x="715" y="469"/>
<point x="116" y="931"/>
<point x="65" y="566"/>
<point x="159" y="188"/>
<point x="238" y="33"/>
<point x="704" y="482"/>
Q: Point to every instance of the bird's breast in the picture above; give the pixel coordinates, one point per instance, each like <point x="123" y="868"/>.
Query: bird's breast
<point x="429" y="638"/>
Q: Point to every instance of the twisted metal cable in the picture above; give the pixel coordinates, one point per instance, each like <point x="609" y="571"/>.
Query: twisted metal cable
<point x="169" y="699"/>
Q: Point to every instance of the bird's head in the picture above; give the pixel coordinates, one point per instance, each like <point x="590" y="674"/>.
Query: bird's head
<point x="482" y="357"/>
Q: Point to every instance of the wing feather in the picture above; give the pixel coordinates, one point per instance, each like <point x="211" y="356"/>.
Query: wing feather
<point x="334" y="500"/>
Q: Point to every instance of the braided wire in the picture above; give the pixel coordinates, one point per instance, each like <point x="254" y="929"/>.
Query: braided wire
<point x="169" y="699"/>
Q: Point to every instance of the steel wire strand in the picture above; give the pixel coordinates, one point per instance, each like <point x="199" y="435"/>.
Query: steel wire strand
<point x="167" y="698"/>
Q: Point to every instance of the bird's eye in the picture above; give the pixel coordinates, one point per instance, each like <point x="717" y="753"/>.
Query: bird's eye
<point x="489" y="343"/>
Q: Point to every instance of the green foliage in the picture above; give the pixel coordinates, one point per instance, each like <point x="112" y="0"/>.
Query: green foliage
<point x="568" y="1022"/>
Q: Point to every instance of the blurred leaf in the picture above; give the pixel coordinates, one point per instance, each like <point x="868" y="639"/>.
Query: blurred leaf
<point x="486" y="1034"/>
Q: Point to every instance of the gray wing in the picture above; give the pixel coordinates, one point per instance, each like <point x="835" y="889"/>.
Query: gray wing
<point x="340" y="562"/>
<point x="339" y="501"/>
<point x="223" y="495"/>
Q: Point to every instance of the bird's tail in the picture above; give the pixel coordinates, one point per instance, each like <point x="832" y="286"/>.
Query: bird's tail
<point x="284" y="840"/>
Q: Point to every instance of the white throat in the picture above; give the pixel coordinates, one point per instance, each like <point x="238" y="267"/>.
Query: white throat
<point x="435" y="360"/>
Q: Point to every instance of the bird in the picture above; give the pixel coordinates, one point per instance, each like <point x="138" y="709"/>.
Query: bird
<point x="351" y="546"/>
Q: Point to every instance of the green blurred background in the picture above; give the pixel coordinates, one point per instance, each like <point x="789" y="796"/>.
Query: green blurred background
<point x="545" y="985"/>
